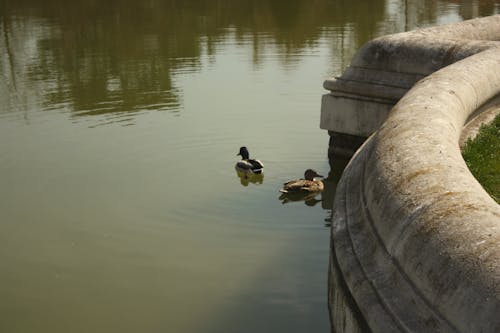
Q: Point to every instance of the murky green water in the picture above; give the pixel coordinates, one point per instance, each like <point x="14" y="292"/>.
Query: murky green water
<point x="120" y="209"/>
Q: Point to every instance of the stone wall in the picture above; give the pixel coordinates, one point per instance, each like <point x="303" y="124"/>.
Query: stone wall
<point x="415" y="237"/>
<point x="384" y="69"/>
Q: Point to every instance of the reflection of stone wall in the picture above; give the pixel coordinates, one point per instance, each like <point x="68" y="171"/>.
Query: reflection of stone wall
<point x="416" y="237"/>
<point x="386" y="68"/>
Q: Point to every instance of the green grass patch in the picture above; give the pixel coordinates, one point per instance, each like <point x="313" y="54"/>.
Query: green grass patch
<point x="482" y="156"/>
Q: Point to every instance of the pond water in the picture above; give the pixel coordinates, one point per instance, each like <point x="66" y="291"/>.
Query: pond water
<point x="120" y="120"/>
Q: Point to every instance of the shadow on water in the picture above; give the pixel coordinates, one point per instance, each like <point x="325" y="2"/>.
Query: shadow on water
<point x="337" y="166"/>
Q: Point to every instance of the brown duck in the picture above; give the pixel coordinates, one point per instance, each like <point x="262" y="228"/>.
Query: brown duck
<point x="306" y="185"/>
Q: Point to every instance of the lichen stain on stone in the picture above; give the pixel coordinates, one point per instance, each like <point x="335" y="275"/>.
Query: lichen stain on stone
<point x="408" y="179"/>
<point x="459" y="207"/>
<point x="450" y="193"/>
<point x="418" y="173"/>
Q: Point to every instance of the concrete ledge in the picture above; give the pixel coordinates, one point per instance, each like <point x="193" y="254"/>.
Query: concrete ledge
<point x="369" y="111"/>
<point x="415" y="235"/>
<point x="385" y="69"/>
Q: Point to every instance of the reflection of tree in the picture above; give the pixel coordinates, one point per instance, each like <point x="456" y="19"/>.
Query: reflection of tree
<point x="123" y="55"/>
<point x="8" y="50"/>
<point x="9" y="67"/>
<point x="470" y="9"/>
<point x="103" y="63"/>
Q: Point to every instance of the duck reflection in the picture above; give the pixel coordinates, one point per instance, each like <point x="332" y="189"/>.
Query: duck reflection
<point x="246" y="178"/>
<point x="310" y="199"/>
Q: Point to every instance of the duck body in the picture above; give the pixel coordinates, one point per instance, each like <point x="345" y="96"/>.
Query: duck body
<point x="306" y="185"/>
<point x="247" y="164"/>
<point x="250" y="165"/>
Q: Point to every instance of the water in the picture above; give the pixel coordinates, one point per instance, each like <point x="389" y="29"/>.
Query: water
<point x="120" y="209"/>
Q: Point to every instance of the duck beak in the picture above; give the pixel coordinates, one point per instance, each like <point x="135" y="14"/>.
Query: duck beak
<point x="317" y="175"/>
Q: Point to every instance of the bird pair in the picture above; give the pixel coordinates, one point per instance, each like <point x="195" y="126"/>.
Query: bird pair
<point x="306" y="185"/>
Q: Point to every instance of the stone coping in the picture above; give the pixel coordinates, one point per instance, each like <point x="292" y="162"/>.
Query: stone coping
<point x="384" y="69"/>
<point x="415" y="235"/>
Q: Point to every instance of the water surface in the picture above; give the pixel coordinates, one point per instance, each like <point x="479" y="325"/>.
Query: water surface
<point x="119" y="127"/>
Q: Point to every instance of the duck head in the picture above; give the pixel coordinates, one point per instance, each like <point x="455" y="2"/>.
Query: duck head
<point x="310" y="174"/>
<point x="244" y="153"/>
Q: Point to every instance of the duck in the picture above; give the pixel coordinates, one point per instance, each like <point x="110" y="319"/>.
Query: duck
<point x="247" y="164"/>
<point x="307" y="185"/>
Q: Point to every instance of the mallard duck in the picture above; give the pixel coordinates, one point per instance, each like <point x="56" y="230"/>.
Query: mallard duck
<point x="306" y="185"/>
<point x="247" y="164"/>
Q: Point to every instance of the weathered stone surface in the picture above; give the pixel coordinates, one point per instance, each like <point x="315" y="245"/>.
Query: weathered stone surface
<point x="384" y="69"/>
<point x="416" y="237"/>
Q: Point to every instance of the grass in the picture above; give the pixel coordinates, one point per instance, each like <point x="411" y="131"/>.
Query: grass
<point x="482" y="156"/>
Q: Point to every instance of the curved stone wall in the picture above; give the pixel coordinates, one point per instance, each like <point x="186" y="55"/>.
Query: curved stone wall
<point x="384" y="69"/>
<point x="416" y="237"/>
